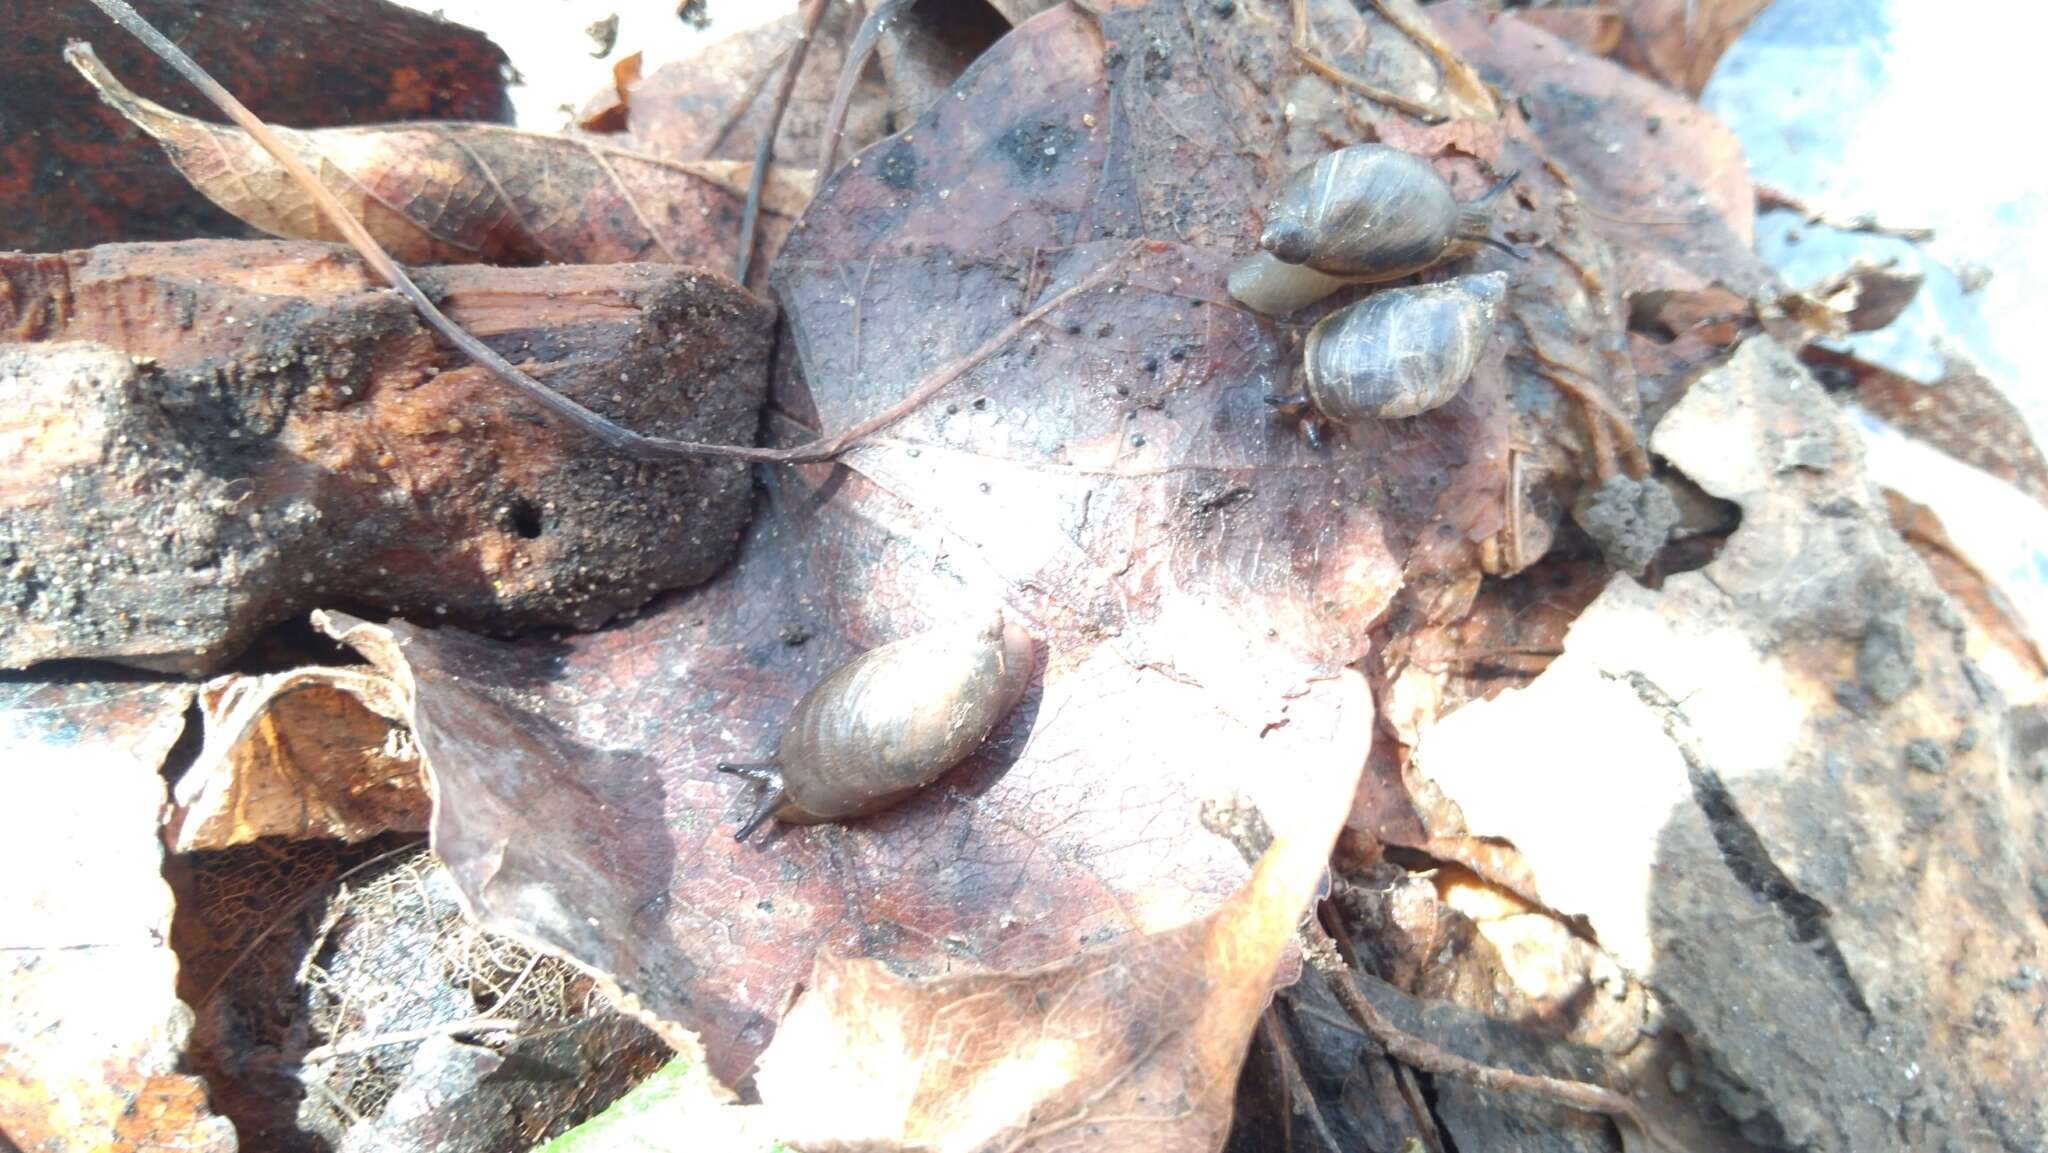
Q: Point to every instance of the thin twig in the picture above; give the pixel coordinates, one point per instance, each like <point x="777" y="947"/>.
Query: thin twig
<point x="356" y="1045"/>
<point x="814" y="12"/>
<point x="856" y="62"/>
<point x="519" y="982"/>
<point x="1428" y="1057"/>
<point x="1304" y="48"/>
<point x="738" y="109"/>
<point x="1291" y="1075"/>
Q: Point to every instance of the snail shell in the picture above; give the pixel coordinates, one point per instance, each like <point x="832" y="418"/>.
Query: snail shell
<point x="1370" y="212"/>
<point x="1361" y="214"/>
<point x="891" y="721"/>
<point x="1403" y="351"/>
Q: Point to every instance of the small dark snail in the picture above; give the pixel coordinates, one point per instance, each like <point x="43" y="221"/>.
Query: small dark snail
<point x="1362" y="214"/>
<point x="890" y="722"/>
<point x="1397" y="353"/>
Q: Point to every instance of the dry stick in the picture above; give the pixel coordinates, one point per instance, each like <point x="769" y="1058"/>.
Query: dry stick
<point x="738" y="109"/>
<point x="856" y="61"/>
<point x="614" y="435"/>
<point x="1297" y="1084"/>
<point x="764" y="152"/>
<point x="1303" y="48"/>
<point x="411" y="1036"/>
<point x="1590" y="396"/>
<point x="1417" y="1053"/>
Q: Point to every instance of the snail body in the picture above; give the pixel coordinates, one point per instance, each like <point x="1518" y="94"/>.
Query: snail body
<point x="1362" y="214"/>
<point x="890" y="722"/>
<point x="1397" y="353"/>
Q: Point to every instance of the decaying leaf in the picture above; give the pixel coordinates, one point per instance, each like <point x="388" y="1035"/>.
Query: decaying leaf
<point x="298" y="755"/>
<point x="68" y="171"/>
<point x="323" y="975"/>
<point x="92" y="1033"/>
<point x="1817" y="836"/>
<point x="1134" y="1045"/>
<point x="460" y="193"/>
<point x="259" y="429"/>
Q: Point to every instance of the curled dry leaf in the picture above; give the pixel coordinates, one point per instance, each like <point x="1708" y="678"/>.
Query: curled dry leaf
<point x="68" y="171"/>
<point x="1679" y="41"/>
<point x="92" y="1033"/>
<point x="1800" y="703"/>
<point x="262" y="428"/>
<point x="317" y="752"/>
<point x="460" y="193"/>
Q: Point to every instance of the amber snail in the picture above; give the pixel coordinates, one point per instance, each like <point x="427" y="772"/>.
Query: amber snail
<point x="889" y="722"/>
<point x="1396" y="353"/>
<point x="1362" y="214"/>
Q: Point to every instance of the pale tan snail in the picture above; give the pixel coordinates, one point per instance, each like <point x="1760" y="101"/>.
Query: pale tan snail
<point x="1396" y="353"/>
<point x="889" y="722"/>
<point x="1362" y="214"/>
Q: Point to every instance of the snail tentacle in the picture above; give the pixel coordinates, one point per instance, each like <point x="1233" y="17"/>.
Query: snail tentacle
<point x="772" y="803"/>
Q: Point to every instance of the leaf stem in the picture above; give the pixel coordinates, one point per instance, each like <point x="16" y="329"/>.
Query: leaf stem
<point x="814" y="13"/>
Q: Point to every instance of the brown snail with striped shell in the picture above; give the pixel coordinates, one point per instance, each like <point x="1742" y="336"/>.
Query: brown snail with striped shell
<point x="889" y="722"/>
<point x="1362" y="214"/>
<point x="1396" y="353"/>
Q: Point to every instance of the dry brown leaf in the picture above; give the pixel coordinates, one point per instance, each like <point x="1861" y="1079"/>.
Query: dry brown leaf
<point x="1135" y="1045"/>
<point x="69" y="177"/>
<point x="92" y="1033"/>
<point x="297" y="755"/>
<point x="263" y="428"/>
<point x="606" y="111"/>
<point x="1816" y="837"/>
<point x="458" y="193"/>
<point x="1680" y="41"/>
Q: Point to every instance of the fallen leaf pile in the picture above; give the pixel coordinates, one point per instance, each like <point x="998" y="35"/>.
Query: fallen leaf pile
<point x="1747" y="845"/>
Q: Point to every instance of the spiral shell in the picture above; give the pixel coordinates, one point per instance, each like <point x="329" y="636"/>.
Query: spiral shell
<point x="1369" y="212"/>
<point x="1403" y="351"/>
<point x="893" y="720"/>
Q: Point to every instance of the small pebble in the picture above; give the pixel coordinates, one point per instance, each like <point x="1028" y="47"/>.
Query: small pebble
<point x="1927" y="756"/>
<point x="1679" y="1077"/>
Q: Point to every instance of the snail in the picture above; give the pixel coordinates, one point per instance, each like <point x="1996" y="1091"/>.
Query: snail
<point x="890" y="722"/>
<point x="1361" y="214"/>
<point x="1396" y="353"/>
